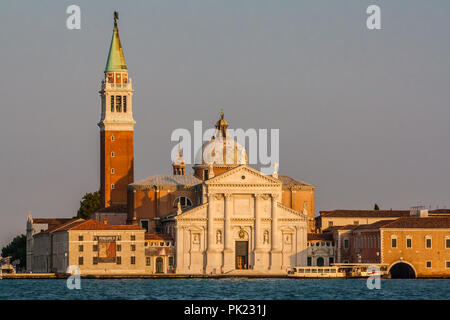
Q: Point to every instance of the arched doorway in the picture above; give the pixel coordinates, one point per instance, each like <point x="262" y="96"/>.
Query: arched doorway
<point x="402" y="270"/>
<point x="320" y="262"/>
<point x="159" y="265"/>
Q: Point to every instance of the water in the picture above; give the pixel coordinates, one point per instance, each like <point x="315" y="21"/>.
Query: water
<point x="230" y="288"/>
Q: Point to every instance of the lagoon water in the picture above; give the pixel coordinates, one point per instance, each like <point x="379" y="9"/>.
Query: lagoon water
<point x="230" y="288"/>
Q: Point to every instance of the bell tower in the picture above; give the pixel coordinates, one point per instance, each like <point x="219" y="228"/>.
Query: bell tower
<point x="116" y="126"/>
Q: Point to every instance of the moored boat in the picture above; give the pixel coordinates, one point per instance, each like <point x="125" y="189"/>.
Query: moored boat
<point x="316" y="272"/>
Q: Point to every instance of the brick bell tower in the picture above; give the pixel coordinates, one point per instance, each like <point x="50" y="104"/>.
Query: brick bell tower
<point x="116" y="127"/>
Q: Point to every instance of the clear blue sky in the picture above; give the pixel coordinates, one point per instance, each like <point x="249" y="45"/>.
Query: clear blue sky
<point x="363" y="115"/>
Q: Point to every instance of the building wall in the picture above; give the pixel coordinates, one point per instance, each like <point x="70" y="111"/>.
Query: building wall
<point x="60" y="251"/>
<point x="114" y="219"/>
<point x="367" y="246"/>
<point x="153" y="203"/>
<point x="418" y="255"/>
<point x="155" y="250"/>
<point x="343" y="254"/>
<point x="41" y="253"/>
<point x="300" y="199"/>
<point x="32" y="229"/>
<point x="122" y="163"/>
<point x="321" y="249"/>
<point x="125" y="253"/>
<point x="343" y="221"/>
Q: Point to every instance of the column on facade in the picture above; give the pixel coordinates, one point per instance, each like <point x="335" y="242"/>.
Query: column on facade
<point x="210" y="223"/>
<point x="275" y="252"/>
<point x="228" y="257"/>
<point x="180" y="250"/>
<point x="258" y="251"/>
<point x="211" y="263"/>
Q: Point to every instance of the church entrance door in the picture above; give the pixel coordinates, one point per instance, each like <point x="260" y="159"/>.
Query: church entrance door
<point x="241" y="255"/>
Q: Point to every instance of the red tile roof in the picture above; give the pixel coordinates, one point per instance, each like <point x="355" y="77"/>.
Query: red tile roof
<point x="289" y="181"/>
<point x="96" y="225"/>
<point x="440" y="211"/>
<point x="53" y="221"/>
<point x="420" y="222"/>
<point x="365" y="213"/>
<point x="372" y="226"/>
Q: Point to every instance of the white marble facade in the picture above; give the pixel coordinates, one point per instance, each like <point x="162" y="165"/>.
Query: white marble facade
<point x="240" y="225"/>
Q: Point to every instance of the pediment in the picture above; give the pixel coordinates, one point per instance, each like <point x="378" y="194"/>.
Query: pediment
<point x="194" y="213"/>
<point x="243" y="175"/>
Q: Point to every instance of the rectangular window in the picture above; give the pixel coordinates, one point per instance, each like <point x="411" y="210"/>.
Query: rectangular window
<point x="428" y="243"/>
<point x="133" y="260"/>
<point x="394" y="243"/>
<point x="133" y="247"/>
<point x="112" y="171"/>
<point x="119" y="103"/>
<point x="447" y="264"/>
<point x="119" y="247"/>
<point x="80" y="248"/>
<point x="80" y="238"/>
<point x="428" y="264"/>
<point x="112" y="138"/>
<point x="95" y="260"/>
<point x="356" y="222"/>
<point x="95" y="248"/>
<point x="144" y="225"/>
<point x="113" y="186"/>
<point x="147" y="261"/>
<point x="133" y="237"/>
<point x="112" y="103"/>
<point x="346" y="243"/>
<point x="408" y="242"/>
<point x="330" y="223"/>
<point x="308" y="262"/>
<point x="80" y="261"/>
<point x="124" y="103"/>
<point x="447" y="243"/>
<point x="112" y="155"/>
<point x="119" y="260"/>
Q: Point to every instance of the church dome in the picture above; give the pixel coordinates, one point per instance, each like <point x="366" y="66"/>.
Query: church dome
<point x="222" y="150"/>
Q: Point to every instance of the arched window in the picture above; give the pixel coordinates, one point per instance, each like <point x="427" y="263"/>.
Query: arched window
<point x="184" y="201"/>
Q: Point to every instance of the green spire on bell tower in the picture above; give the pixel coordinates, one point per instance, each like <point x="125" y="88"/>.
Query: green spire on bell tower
<point x="116" y="59"/>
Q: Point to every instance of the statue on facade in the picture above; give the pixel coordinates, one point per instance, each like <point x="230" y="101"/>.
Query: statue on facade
<point x="266" y="237"/>
<point x="219" y="237"/>
<point x="305" y="208"/>
<point x="275" y="170"/>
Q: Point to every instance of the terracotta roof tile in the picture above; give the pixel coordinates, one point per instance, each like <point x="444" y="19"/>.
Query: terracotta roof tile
<point x="165" y="180"/>
<point x="289" y="181"/>
<point x="96" y="225"/>
<point x="420" y="222"/>
<point x="366" y="213"/>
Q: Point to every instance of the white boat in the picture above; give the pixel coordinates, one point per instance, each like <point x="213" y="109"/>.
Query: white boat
<point x="316" y="272"/>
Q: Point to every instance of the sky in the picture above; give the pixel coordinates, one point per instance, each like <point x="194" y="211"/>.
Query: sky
<point x="363" y="114"/>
